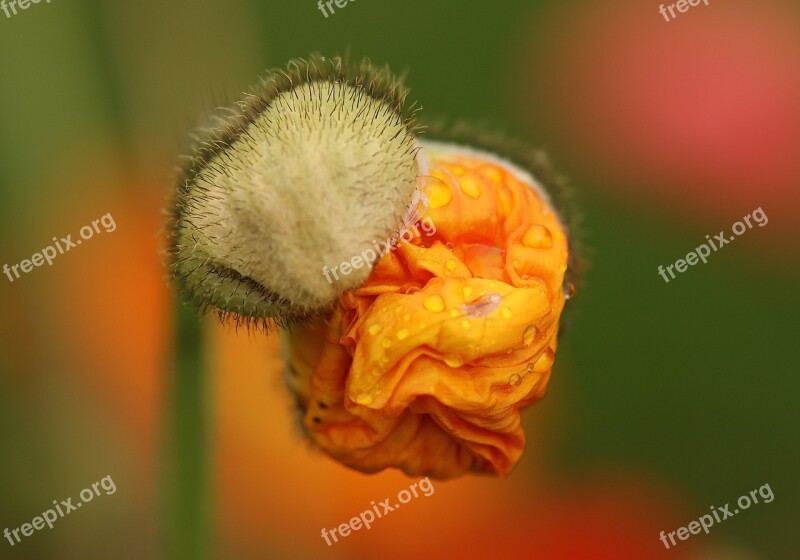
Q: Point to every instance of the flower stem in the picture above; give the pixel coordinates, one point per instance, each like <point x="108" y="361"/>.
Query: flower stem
<point x="186" y="528"/>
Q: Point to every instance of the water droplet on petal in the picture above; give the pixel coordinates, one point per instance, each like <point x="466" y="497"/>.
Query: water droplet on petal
<point x="530" y="368"/>
<point x="434" y="303"/>
<point x="465" y="323"/>
<point x="386" y="343"/>
<point x="545" y="361"/>
<point x="454" y="360"/>
<point x="470" y="187"/>
<point x="569" y="290"/>
<point x="439" y="194"/>
<point x="505" y="312"/>
<point x="451" y="264"/>
<point x="538" y="237"/>
<point x="529" y="335"/>
<point x="505" y="200"/>
<point x="402" y="334"/>
<point x="450" y="246"/>
<point x="493" y="173"/>
<point x="515" y="380"/>
<point x="374" y="328"/>
<point x="467" y="292"/>
<point x="407" y="317"/>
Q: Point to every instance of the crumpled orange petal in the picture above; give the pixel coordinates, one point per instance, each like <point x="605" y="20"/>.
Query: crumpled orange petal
<point x="426" y="366"/>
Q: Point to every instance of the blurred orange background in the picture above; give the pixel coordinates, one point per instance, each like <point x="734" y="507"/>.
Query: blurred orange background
<point x="665" y="398"/>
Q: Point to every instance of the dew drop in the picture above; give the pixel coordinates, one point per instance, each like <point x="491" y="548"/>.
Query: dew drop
<point x="386" y="343"/>
<point x="569" y="290"/>
<point x="450" y="246"/>
<point x="407" y="317"/>
<point x="451" y="264"/>
<point x="538" y="237"/>
<point x="493" y="173"/>
<point x="402" y="334"/>
<point x="434" y="303"/>
<point x="505" y="312"/>
<point x="374" y="328"/>
<point x="454" y="360"/>
<point x="529" y="335"/>
<point x="439" y="194"/>
<point x="545" y="361"/>
<point x="515" y="380"/>
<point x="465" y="323"/>
<point x="530" y="368"/>
<point x="470" y="187"/>
<point x="505" y="200"/>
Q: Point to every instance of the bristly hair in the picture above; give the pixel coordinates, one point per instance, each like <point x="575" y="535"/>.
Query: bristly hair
<point x="377" y="83"/>
<point x="204" y="281"/>
<point x="532" y="160"/>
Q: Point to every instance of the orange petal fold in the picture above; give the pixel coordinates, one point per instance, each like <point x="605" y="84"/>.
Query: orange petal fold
<point x="427" y="365"/>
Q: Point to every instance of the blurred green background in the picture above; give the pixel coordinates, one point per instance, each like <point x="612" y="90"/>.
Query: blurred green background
<point x="666" y="132"/>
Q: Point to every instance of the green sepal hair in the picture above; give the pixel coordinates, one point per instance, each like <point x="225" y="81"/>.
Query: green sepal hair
<point x="217" y="243"/>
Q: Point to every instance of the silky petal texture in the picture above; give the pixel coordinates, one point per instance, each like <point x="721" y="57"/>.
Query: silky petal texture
<point x="426" y="366"/>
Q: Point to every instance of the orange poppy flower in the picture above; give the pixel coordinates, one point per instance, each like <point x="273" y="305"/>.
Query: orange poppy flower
<point x="426" y="366"/>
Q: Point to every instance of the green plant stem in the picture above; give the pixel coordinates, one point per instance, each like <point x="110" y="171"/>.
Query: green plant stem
<point x="187" y="522"/>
